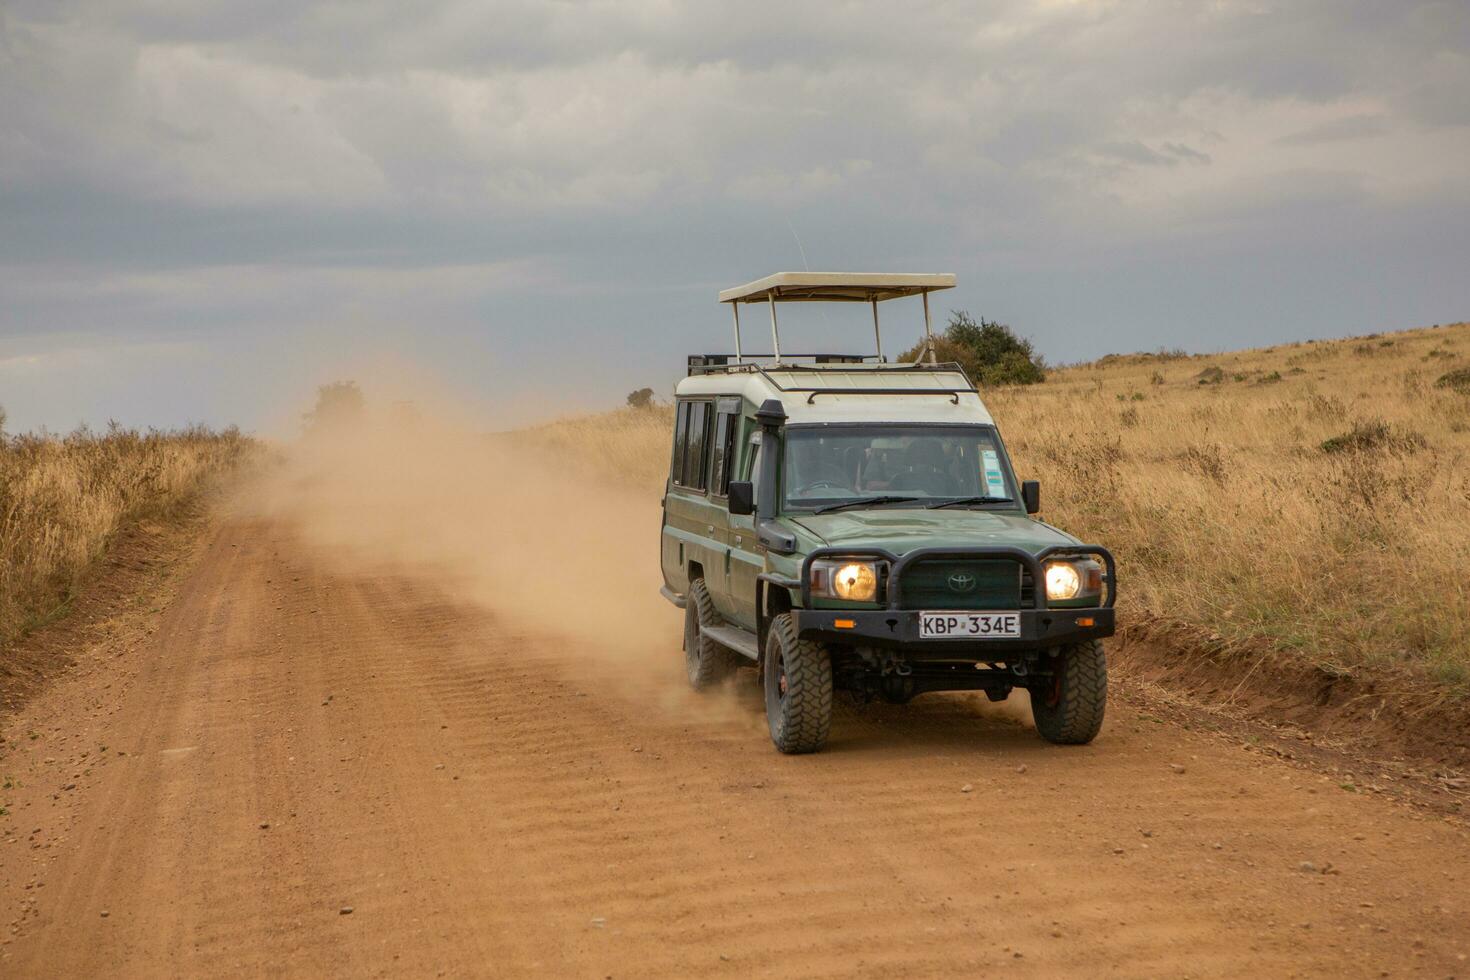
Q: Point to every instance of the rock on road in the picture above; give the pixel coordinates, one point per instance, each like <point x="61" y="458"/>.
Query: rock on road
<point x="312" y="773"/>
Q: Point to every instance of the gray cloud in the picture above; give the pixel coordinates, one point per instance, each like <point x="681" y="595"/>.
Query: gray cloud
<point x="219" y="173"/>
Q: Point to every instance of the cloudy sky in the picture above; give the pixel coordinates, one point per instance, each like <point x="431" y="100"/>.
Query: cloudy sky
<point x="208" y="207"/>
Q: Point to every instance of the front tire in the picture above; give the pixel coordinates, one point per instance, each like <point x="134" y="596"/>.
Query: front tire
<point x="707" y="662"/>
<point x="797" y="677"/>
<point x="1069" y="709"/>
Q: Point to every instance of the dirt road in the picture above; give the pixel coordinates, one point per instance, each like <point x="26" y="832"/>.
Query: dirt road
<point x="308" y="772"/>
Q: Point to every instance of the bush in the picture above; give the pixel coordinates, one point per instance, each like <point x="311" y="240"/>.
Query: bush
<point x="642" y="398"/>
<point x="1373" y="434"/>
<point x="1457" y="380"/>
<point x="339" y="405"/>
<point x="989" y="352"/>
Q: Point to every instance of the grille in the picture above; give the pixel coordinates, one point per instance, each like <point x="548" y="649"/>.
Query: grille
<point x="927" y="585"/>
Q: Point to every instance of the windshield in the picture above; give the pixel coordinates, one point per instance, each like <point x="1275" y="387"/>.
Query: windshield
<point x="832" y="464"/>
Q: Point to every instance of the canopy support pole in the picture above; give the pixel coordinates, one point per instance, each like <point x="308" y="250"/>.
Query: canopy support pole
<point x="928" y="332"/>
<point x="735" y="308"/>
<point x="877" y="335"/>
<point x="775" y="336"/>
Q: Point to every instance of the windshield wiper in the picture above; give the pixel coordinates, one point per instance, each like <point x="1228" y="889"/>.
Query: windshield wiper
<point x="864" y="502"/>
<point x="969" y="500"/>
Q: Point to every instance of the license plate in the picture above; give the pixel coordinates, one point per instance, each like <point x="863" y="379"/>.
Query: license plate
<point x="968" y="625"/>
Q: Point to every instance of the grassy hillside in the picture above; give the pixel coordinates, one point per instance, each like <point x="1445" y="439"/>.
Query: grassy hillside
<point x="1309" y="499"/>
<point x="1312" y="497"/>
<point x="63" y="498"/>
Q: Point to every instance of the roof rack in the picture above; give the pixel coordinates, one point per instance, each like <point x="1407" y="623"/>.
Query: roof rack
<point x="840" y="287"/>
<point x="719" y="364"/>
<point x="709" y="363"/>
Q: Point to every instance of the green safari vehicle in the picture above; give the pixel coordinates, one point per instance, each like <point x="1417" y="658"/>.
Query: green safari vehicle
<point x="844" y="523"/>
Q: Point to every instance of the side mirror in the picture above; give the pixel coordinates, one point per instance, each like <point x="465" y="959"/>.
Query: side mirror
<point x="1031" y="495"/>
<point x="742" y="497"/>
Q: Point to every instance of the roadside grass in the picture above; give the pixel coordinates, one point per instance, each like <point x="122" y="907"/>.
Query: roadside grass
<point x="63" y="498"/>
<point x="629" y="445"/>
<point x="1312" y="499"/>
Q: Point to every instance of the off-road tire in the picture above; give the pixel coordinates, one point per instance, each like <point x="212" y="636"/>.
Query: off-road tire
<point x="798" y="711"/>
<point x="1069" y="709"/>
<point x="707" y="662"/>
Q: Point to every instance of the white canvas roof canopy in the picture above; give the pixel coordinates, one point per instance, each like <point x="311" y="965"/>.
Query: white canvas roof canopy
<point x="836" y="287"/>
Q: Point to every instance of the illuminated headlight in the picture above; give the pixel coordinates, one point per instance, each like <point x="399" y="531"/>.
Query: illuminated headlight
<point x="854" y="581"/>
<point x="1070" y="580"/>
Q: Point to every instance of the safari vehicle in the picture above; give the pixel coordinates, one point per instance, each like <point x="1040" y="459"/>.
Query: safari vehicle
<point x="845" y="523"/>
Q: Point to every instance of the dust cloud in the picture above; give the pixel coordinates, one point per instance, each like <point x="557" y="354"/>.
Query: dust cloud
<point x="547" y="546"/>
<point x="557" y="550"/>
<point x="539" y="534"/>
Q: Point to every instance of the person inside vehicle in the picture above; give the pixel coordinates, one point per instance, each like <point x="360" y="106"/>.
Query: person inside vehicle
<point x="925" y="470"/>
<point x="817" y="470"/>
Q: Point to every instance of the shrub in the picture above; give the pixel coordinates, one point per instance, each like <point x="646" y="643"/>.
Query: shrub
<point x="641" y="398"/>
<point x="990" y="352"/>
<point x="339" y="405"/>
<point x="1456" y="380"/>
<point x="1373" y="434"/>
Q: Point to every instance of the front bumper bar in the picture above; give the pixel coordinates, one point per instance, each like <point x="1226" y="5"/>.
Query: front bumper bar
<point x="899" y="628"/>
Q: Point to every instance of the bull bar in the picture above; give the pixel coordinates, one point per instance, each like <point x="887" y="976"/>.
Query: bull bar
<point x="1042" y="624"/>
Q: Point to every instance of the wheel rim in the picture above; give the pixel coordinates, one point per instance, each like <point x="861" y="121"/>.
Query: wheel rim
<point x="776" y="686"/>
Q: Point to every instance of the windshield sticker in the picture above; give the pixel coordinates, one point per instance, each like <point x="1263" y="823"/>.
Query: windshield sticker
<point x="995" y="483"/>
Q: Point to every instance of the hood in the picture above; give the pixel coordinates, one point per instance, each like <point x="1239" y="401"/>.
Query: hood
<point x="900" y="530"/>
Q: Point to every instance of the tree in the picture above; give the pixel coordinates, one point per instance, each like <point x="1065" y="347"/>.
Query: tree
<point x="990" y="352"/>
<point x="642" y="398"/>
<point x="338" y="406"/>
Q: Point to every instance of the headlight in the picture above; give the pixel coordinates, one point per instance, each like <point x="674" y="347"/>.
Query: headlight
<point x="854" y="581"/>
<point x="1062" y="581"/>
<point x="1069" y="580"/>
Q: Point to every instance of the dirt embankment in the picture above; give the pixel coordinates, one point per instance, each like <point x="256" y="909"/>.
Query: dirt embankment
<point x="367" y="738"/>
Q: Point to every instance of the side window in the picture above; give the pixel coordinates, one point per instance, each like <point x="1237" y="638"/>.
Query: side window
<point x="681" y="435"/>
<point x="727" y="430"/>
<point x="696" y="451"/>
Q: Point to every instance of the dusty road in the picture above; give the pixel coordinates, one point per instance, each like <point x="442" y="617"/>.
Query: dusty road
<point x="294" y="742"/>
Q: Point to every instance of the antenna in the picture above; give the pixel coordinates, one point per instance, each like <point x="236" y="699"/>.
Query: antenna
<point x="792" y="229"/>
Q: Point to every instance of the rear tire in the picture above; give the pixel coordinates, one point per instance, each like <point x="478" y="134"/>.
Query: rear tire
<point x="797" y="676"/>
<point x="1069" y="710"/>
<point x="707" y="662"/>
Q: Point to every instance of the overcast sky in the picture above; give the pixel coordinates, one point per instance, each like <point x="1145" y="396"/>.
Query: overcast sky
<point x="207" y="208"/>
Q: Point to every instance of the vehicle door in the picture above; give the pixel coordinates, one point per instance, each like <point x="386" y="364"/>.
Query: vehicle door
<point x="747" y="558"/>
<point x="694" y="525"/>
<point x="725" y="440"/>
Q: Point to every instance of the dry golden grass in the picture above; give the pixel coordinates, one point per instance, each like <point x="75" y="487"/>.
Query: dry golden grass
<point x="1313" y="499"/>
<point x="630" y="445"/>
<point x="63" y="498"/>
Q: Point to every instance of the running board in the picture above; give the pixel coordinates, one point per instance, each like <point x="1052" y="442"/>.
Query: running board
<point x="735" y="638"/>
